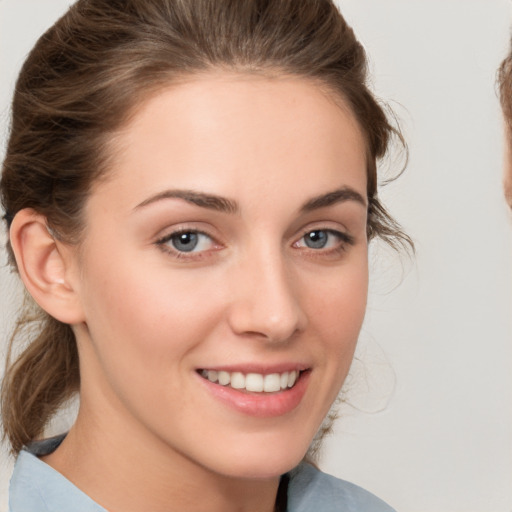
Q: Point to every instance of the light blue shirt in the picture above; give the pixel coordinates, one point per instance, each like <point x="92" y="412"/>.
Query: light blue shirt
<point x="37" y="487"/>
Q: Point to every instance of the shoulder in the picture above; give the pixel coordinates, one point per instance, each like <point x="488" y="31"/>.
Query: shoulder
<point x="37" y="487"/>
<point x="311" y="490"/>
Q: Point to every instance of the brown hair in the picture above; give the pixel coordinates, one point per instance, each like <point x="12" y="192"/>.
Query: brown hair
<point x="505" y="90"/>
<point x="80" y="83"/>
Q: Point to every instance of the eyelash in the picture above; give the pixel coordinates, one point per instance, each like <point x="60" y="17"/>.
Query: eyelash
<point x="344" y="240"/>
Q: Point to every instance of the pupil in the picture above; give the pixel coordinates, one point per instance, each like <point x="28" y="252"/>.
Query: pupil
<point x="316" y="239"/>
<point x="185" y="242"/>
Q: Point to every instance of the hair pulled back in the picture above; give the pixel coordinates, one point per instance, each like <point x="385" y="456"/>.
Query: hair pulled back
<point x="505" y="90"/>
<point x="504" y="82"/>
<point x="83" y="80"/>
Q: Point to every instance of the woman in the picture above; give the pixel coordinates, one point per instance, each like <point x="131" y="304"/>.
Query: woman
<point x="190" y="189"/>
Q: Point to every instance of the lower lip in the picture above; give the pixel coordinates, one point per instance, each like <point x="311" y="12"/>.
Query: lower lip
<point x="260" y="405"/>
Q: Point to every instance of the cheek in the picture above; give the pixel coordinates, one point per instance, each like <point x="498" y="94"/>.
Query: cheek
<point x="338" y="311"/>
<point x="147" y="315"/>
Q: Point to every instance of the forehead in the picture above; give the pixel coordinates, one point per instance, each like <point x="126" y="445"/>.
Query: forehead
<point x="222" y="130"/>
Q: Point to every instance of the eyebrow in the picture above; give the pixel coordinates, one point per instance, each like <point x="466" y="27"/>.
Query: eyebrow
<point x="222" y="204"/>
<point x="209" y="201"/>
<point x="341" y="195"/>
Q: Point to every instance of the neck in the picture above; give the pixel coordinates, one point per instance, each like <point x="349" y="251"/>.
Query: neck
<point x="145" y="474"/>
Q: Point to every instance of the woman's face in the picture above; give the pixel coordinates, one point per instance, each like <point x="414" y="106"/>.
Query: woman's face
<point x="223" y="274"/>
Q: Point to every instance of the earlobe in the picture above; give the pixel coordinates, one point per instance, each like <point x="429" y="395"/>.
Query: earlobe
<point x="45" y="267"/>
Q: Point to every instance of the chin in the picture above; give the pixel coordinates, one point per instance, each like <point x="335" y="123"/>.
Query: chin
<point x="263" y="463"/>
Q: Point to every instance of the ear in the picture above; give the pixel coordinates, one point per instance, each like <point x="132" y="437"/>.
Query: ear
<point x="47" y="267"/>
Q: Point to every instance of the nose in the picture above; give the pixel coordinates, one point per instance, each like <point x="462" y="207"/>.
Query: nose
<point x="265" y="299"/>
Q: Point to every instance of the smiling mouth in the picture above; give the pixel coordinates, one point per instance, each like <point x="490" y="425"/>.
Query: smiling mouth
<point x="253" y="382"/>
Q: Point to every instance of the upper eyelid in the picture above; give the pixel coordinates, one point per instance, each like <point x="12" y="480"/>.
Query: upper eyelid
<point x="169" y="231"/>
<point x="175" y="232"/>
<point x="329" y="226"/>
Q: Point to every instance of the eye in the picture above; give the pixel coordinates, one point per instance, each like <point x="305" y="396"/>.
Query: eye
<point x="189" y="241"/>
<point x="316" y="239"/>
<point x="324" y="239"/>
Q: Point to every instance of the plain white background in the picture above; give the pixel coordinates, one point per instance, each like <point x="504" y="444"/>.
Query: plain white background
<point x="427" y="424"/>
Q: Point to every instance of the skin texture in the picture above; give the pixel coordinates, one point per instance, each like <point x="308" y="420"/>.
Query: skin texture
<point x="147" y="317"/>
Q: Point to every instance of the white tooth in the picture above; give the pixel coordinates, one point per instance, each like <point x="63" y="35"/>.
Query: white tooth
<point x="254" y="382"/>
<point x="237" y="380"/>
<point x="272" y="383"/>
<point x="292" y="377"/>
<point x="212" y="376"/>
<point x="284" y="380"/>
<point x="224" y="378"/>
